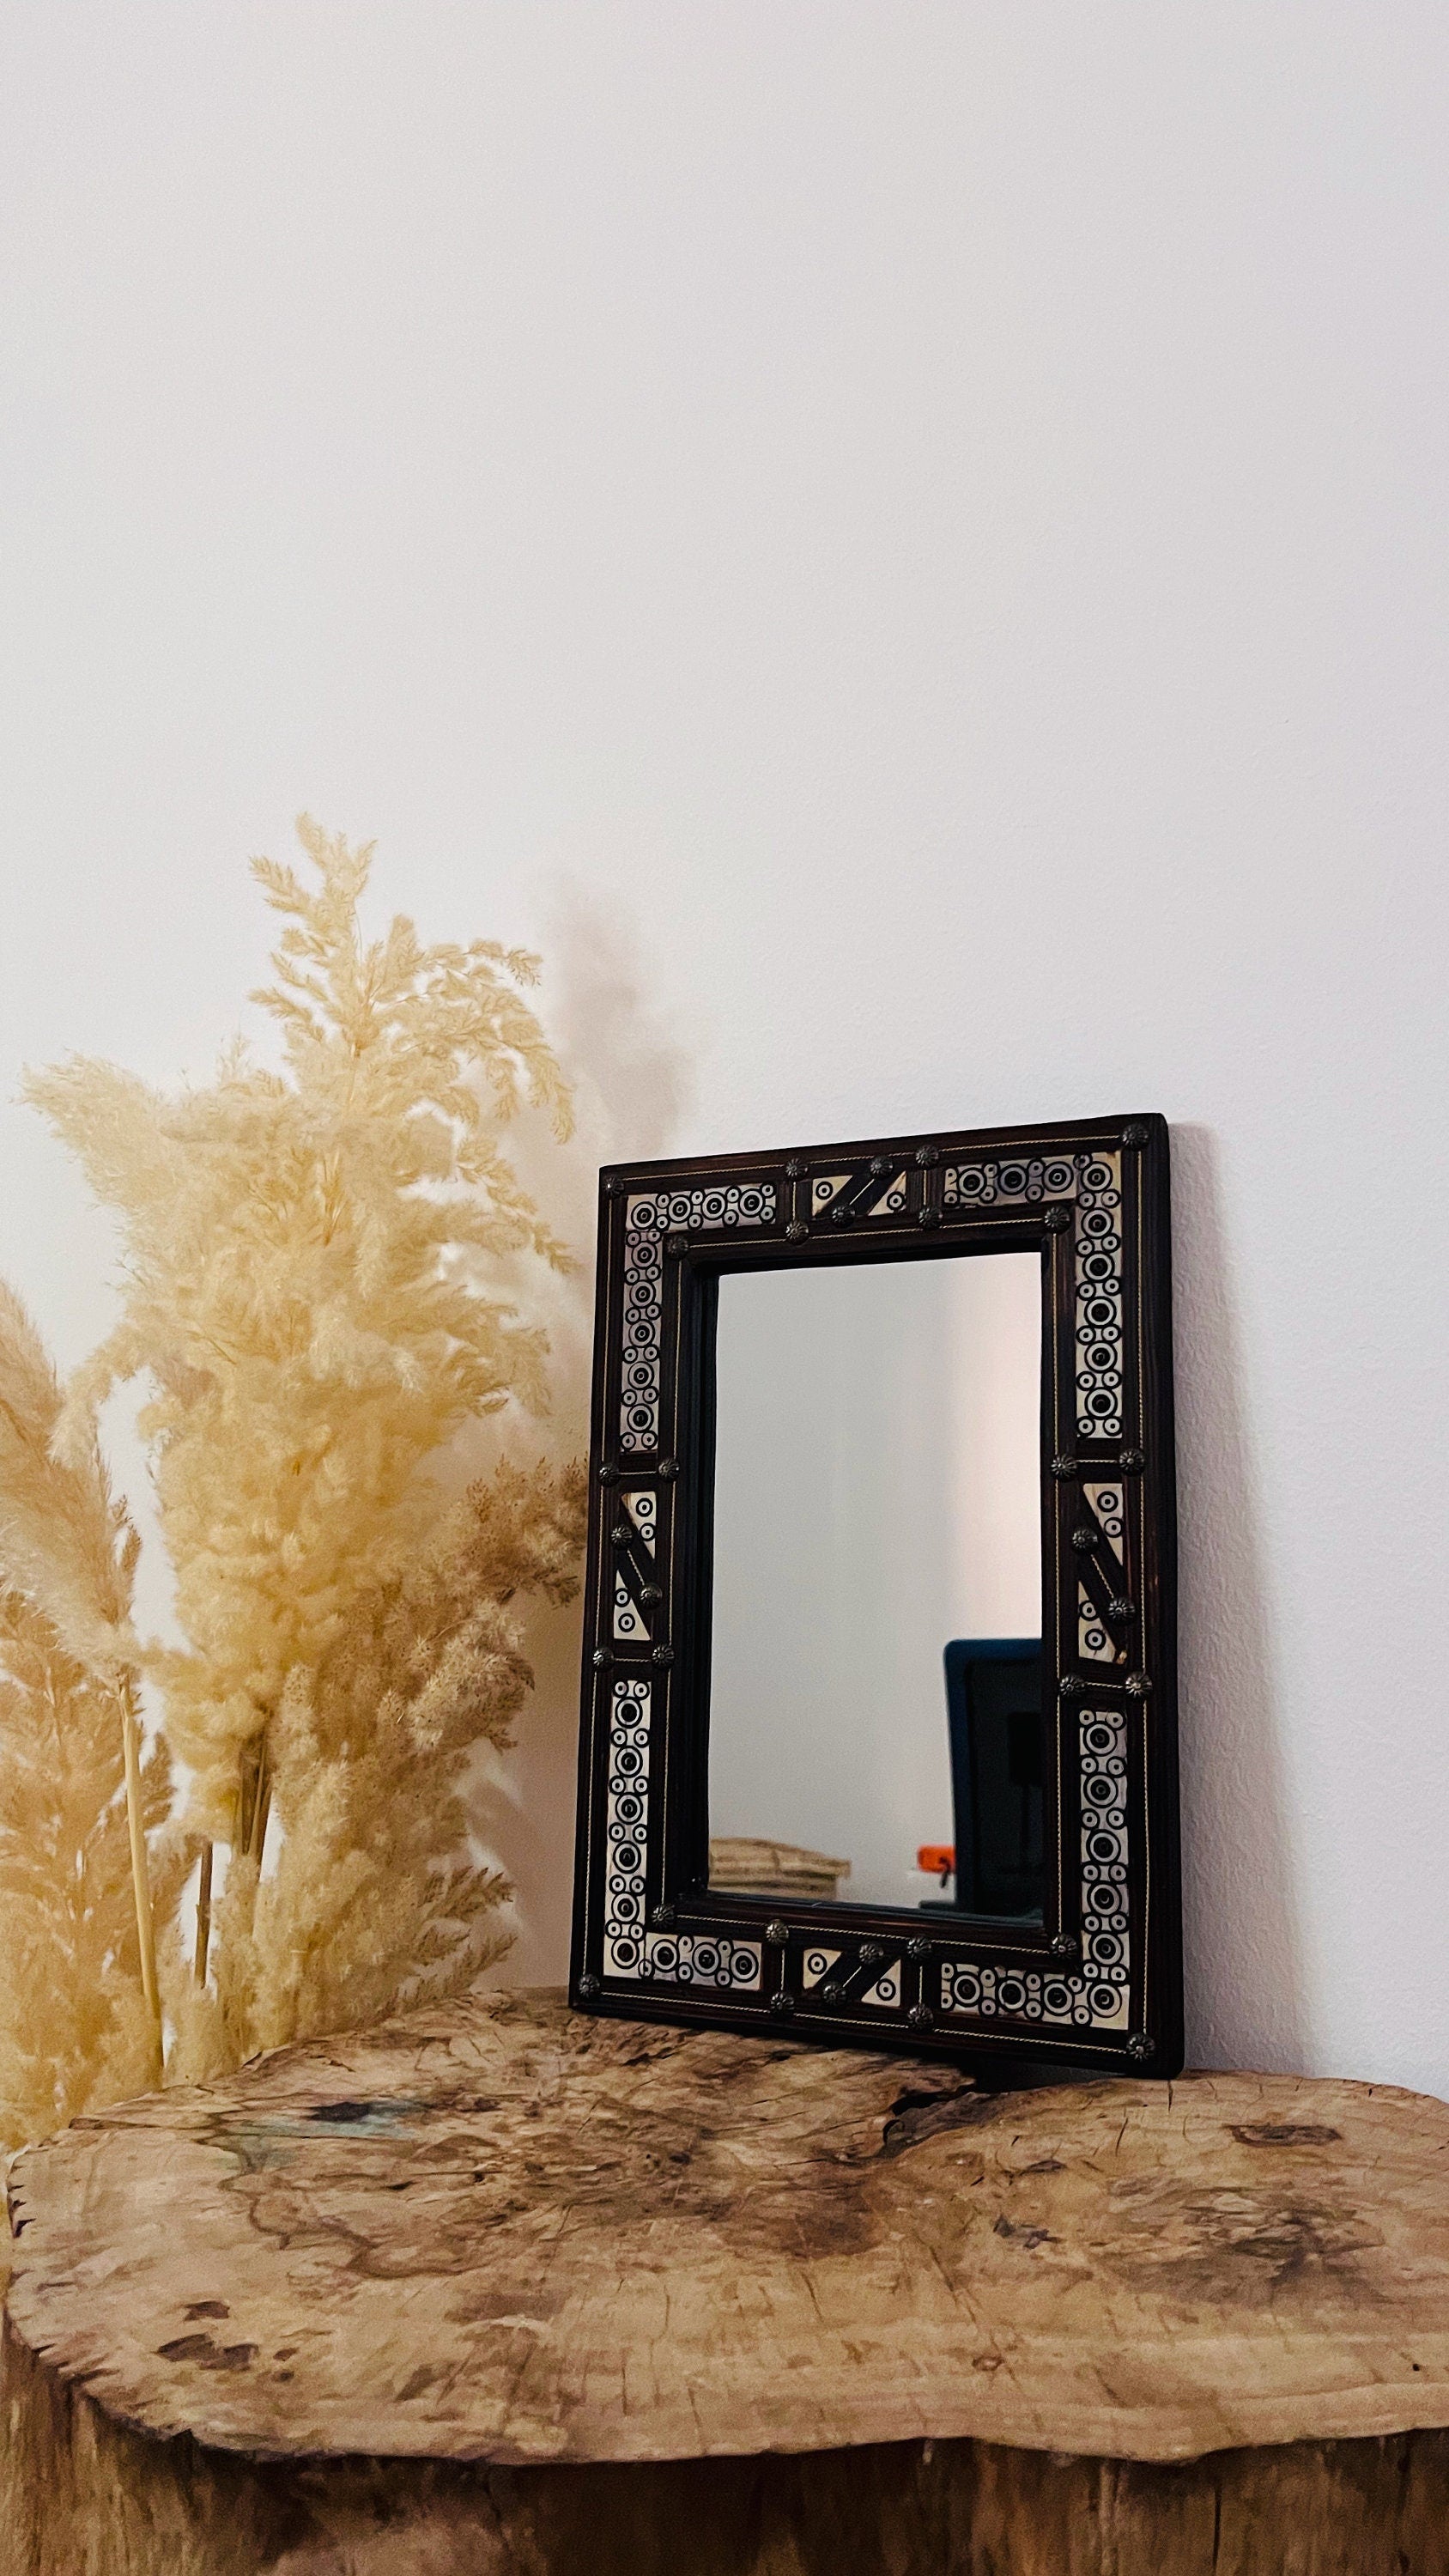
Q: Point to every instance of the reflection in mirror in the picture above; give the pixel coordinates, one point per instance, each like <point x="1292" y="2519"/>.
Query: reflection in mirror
<point x="875" y="1693"/>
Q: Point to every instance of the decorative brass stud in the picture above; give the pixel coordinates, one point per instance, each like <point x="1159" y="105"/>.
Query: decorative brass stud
<point x="676" y="1245"/>
<point x="918" y="1949"/>
<point x="920" y="2017"/>
<point x="830" y="1992"/>
<point x="602" y="1659"/>
<point x="878" y="1164"/>
<point x="1121" y="1607"/>
<point x="668" y="1469"/>
<point x="871" y="1954"/>
<point x="1065" y="1945"/>
<point x="1064" y="1467"/>
<point x="778" y="1934"/>
<point x="1139" y="1685"/>
<point x="662" y="1655"/>
<point x="840" y="1214"/>
<point x="588" y="1988"/>
<point x="795" y="1232"/>
<point x="1135" y="1134"/>
<point x="621" y="1533"/>
<point x="608" y="1473"/>
<point x="1071" y="1686"/>
<point x="1131" y="1462"/>
<point x="782" y="2004"/>
<point x="926" y="1155"/>
<point x="928" y="1216"/>
<point x="1057" y="1220"/>
<point x="1140" y="2047"/>
<point x="651" y="1592"/>
<point x="794" y="1171"/>
<point x="1083" y="1539"/>
<point x="662" y="1918"/>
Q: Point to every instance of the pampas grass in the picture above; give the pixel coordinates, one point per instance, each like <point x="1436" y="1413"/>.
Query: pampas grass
<point x="310" y="1299"/>
<point x="67" y="1557"/>
<point x="75" y="2026"/>
<point x="378" y="1888"/>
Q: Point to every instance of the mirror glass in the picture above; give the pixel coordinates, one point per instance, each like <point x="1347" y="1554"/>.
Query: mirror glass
<point x="875" y="1714"/>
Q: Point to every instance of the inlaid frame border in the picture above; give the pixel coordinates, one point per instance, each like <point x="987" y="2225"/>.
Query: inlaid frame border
<point x="1099" y="1983"/>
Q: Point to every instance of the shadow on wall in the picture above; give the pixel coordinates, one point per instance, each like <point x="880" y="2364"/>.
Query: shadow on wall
<point x="1245" y="1998"/>
<point x="633" y="1085"/>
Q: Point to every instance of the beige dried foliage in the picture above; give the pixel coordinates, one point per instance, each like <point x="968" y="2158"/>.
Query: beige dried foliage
<point x="306" y="1259"/>
<point x="312" y="1295"/>
<point x="75" y="2026"/>
<point x="380" y="1894"/>
<point x="75" y="2031"/>
<point x="64" y="1540"/>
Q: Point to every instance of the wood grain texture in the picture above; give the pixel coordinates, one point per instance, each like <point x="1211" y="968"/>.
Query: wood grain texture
<point x="503" y="2233"/>
<point x="85" y="2497"/>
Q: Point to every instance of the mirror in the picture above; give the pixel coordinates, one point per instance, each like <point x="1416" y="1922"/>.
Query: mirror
<point x="875" y="1697"/>
<point x="878" y="1716"/>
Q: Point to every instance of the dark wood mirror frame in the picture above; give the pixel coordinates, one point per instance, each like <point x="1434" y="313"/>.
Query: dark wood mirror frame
<point x="1099" y="1982"/>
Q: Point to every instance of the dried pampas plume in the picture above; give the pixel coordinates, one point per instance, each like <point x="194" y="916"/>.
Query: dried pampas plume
<point x="377" y="1888"/>
<point x="311" y="1297"/>
<point x="75" y="2027"/>
<point x="63" y="1539"/>
<point x="78" y="1995"/>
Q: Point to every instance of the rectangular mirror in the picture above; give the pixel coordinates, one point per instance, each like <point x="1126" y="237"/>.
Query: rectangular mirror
<point x="878" y="1694"/>
<point x="877" y="1500"/>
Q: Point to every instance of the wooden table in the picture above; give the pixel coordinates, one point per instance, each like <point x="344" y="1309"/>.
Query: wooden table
<point x="502" y="2291"/>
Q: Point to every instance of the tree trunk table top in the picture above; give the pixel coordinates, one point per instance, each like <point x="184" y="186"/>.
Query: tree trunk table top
<point x="503" y="2233"/>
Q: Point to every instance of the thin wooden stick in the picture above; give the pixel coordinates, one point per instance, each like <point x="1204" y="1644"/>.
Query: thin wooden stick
<point x="261" y="1806"/>
<point x="246" y="1779"/>
<point x="203" y="1915"/>
<point x="140" y="1875"/>
<point x="253" y="1799"/>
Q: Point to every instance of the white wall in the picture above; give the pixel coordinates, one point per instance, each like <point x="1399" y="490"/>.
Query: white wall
<point x="940" y="512"/>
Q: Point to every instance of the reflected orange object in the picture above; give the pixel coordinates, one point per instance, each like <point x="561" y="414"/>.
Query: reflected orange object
<point x="937" y="1859"/>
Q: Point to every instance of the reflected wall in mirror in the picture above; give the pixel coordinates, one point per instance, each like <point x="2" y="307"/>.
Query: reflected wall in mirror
<point x="877" y="1518"/>
<point x="878" y="1719"/>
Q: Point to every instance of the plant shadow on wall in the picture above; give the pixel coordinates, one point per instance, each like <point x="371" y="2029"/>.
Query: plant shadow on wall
<point x="632" y="1084"/>
<point x="1241" y="1938"/>
<point x="332" y="1273"/>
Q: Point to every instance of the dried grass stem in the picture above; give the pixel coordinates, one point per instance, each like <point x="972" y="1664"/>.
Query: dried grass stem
<point x="140" y="1873"/>
<point x="203" y="1913"/>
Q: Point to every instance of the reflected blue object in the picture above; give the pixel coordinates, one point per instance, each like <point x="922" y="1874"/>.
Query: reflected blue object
<point x="994" y="1716"/>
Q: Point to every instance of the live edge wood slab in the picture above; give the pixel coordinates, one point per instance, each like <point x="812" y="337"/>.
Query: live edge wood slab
<point x="500" y="2291"/>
